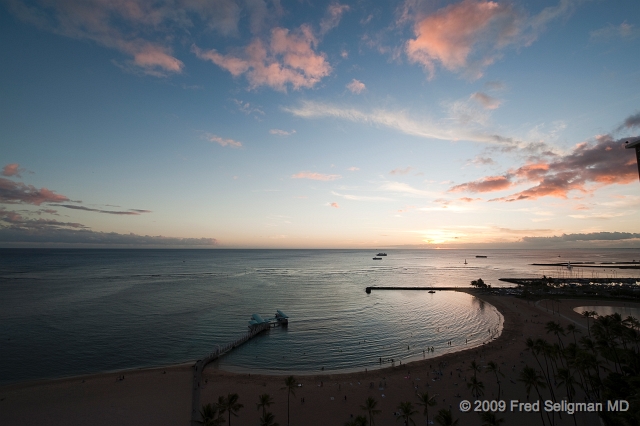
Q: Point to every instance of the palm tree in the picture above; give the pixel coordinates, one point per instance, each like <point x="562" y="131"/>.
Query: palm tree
<point x="210" y="415"/>
<point x="531" y="378"/>
<point x="267" y="419"/>
<point x="571" y="328"/>
<point x="358" y="421"/>
<point x="474" y="367"/>
<point x="445" y="418"/>
<point x="370" y="407"/>
<point x="492" y="367"/>
<point x="406" y="412"/>
<point x="265" y="402"/>
<point x="230" y="404"/>
<point x="476" y="386"/>
<point x="427" y="401"/>
<point x="587" y="315"/>
<point x="490" y="419"/>
<point x="290" y="384"/>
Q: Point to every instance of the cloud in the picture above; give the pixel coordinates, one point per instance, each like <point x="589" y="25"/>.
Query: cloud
<point x="405" y="189"/>
<point x="17" y="192"/>
<point x="315" y="176"/>
<point x="335" y="205"/>
<point x="593" y="236"/>
<point x="353" y="169"/>
<point x="604" y="162"/>
<point x="401" y="171"/>
<point x="471" y="35"/>
<point x="398" y="120"/>
<point x="287" y="59"/>
<point x="279" y="132"/>
<point x="139" y="29"/>
<point x="479" y="160"/>
<point x="486" y="101"/>
<point x="12" y="169"/>
<point x="247" y="107"/>
<point x="494" y="85"/>
<point x="631" y="122"/>
<point x="16" y="220"/>
<point x="486" y="184"/>
<point x="622" y="31"/>
<point x="332" y="17"/>
<point x="360" y="197"/>
<point x="222" y="141"/>
<point x="356" y="86"/>
<point x="122" y="212"/>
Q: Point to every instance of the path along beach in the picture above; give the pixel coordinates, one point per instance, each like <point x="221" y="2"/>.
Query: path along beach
<point x="163" y="396"/>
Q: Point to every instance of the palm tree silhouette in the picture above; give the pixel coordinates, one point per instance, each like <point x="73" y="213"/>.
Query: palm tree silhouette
<point x="445" y="418"/>
<point x="492" y="367"/>
<point x="406" y="412"/>
<point x="290" y="384"/>
<point x="476" y="386"/>
<point x="531" y="378"/>
<point x="370" y="407"/>
<point x="230" y="404"/>
<point x="490" y="419"/>
<point x="265" y="402"/>
<point x="210" y="415"/>
<point x="267" y="419"/>
<point x="427" y="401"/>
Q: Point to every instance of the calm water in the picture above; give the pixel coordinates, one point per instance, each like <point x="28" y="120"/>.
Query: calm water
<point x="624" y="311"/>
<point x="68" y="312"/>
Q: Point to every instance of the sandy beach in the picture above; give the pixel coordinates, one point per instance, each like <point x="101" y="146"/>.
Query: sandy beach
<point x="162" y="396"/>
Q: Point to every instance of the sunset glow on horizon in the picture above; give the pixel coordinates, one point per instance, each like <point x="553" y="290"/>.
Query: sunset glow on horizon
<point x="268" y="124"/>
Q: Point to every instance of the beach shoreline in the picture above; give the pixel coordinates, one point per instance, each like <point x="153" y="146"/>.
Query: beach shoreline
<point x="163" y="395"/>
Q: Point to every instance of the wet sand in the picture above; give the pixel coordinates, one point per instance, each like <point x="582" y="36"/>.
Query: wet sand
<point x="162" y="396"/>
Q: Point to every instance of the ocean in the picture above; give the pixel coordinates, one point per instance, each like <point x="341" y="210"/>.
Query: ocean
<point x="66" y="312"/>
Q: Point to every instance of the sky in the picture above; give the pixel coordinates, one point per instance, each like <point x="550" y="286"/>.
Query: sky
<point x="296" y="124"/>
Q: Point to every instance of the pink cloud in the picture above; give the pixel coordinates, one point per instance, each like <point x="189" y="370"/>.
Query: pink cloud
<point x="18" y="192"/>
<point x="335" y="205"/>
<point x="356" y="86"/>
<point x="449" y="35"/>
<point x="315" y="176"/>
<point x="602" y="163"/>
<point x="488" y="102"/>
<point x="223" y="142"/>
<point x="353" y="169"/>
<point x="486" y="184"/>
<point x="288" y="59"/>
<point x="12" y="169"/>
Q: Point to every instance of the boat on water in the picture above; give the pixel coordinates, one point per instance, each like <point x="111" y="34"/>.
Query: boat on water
<point x="381" y="254"/>
<point x="431" y="291"/>
<point x="377" y="258"/>
<point x="482" y="257"/>
<point x="465" y="261"/>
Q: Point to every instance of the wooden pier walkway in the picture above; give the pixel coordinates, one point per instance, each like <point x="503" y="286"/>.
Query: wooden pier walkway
<point x="201" y="363"/>
<point x="368" y="289"/>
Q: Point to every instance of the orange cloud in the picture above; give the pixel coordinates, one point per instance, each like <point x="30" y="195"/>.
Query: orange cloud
<point x="335" y="205"/>
<point x="605" y="162"/>
<point x="449" y="35"/>
<point x="315" y="176"/>
<point x="288" y="59"/>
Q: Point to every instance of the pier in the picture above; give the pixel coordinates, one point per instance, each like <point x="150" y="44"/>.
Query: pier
<point x="368" y="289"/>
<point x="256" y="326"/>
